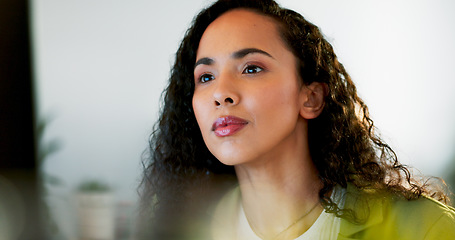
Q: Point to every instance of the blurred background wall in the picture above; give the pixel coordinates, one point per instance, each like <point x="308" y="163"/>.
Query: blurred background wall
<point x="100" y="66"/>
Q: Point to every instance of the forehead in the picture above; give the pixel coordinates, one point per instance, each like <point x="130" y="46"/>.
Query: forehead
<point x="237" y="29"/>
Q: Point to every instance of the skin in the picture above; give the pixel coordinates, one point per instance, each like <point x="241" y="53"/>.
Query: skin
<point x="277" y="177"/>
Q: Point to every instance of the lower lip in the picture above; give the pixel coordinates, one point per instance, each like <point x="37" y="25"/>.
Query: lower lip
<point x="228" y="130"/>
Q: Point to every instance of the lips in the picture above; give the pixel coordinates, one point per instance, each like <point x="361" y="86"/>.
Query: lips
<point x="228" y="126"/>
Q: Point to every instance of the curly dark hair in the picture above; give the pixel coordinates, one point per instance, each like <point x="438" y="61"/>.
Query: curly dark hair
<point x="343" y="143"/>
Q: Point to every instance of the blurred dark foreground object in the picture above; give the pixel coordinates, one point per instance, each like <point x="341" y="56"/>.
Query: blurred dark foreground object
<point x="19" y="188"/>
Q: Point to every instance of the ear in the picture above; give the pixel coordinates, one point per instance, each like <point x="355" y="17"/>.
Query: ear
<point x="312" y="99"/>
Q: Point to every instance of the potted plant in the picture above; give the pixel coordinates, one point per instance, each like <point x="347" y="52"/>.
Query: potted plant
<point x="95" y="208"/>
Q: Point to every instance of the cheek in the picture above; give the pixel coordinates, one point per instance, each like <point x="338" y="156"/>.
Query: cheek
<point x="197" y="109"/>
<point x="200" y="110"/>
<point x="276" y="99"/>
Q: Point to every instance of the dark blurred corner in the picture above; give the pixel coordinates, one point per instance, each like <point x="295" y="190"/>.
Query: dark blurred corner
<point x="18" y="168"/>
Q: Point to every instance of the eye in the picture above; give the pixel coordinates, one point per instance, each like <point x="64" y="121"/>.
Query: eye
<point x="252" y="69"/>
<point x="206" y="77"/>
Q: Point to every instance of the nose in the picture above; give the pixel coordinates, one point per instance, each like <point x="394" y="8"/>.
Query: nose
<point x="226" y="92"/>
<point x="227" y="101"/>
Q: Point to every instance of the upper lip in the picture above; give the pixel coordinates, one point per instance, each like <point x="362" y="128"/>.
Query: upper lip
<point x="228" y="120"/>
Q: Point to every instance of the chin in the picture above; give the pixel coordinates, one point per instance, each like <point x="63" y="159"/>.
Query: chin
<point x="230" y="159"/>
<point x="231" y="155"/>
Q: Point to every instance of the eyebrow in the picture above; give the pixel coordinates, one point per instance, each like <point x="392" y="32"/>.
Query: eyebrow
<point x="236" y="55"/>
<point x="242" y="53"/>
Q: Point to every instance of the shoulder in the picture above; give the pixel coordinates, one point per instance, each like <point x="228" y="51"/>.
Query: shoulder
<point x="427" y="217"/>
<point x="423" y="206"/>
<point x="391" y="217"/>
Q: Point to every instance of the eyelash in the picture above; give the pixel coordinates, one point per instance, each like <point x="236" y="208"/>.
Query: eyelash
<point x="245" y="71"/>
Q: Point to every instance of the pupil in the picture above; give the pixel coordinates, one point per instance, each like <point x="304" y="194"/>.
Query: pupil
<point x="206" y="78"/>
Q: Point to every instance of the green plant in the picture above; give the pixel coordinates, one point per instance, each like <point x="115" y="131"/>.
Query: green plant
<point x="94" y="186"/>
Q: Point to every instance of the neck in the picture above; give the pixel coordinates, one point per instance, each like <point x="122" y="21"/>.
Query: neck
<point x="278" y="190"/>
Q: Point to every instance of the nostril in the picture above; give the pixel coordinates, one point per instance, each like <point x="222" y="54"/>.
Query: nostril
<point x="217" y="103"/>
<point x="229" y="100"/>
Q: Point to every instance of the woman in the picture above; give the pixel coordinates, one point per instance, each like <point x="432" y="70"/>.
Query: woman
<point x="258" y="103"/>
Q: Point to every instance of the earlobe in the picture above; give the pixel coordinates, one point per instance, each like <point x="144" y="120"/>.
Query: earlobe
<point x="313" y="99"/>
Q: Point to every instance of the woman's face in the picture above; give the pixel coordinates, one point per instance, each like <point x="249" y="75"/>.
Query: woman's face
<point x="247" y="95"/>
